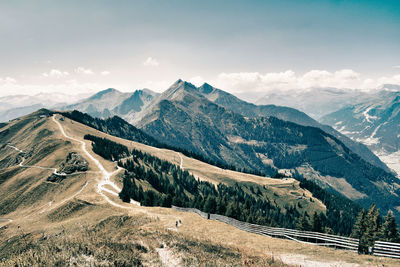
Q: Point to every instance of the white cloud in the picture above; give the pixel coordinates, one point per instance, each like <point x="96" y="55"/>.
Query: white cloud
<point x="105" y="73"/>
<point x="7" y="80"/>
<point x="69" y="87"/>
<point x="157" y="86"/>
<point x="242" y="82"/>
<point x="197" y="80"/>
<point x="54" y="73"/>
<point x="151" y="62"/>
<point x="396" y="67"/>
<point x="82" y="70"/>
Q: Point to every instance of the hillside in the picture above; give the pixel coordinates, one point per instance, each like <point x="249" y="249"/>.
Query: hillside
<point x="81" y="219"/>
<point x="183" y="117"/>
<point x="282" y="112"/>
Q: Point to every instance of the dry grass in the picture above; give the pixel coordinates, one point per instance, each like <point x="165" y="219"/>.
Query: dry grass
<point x="121" y="241"/>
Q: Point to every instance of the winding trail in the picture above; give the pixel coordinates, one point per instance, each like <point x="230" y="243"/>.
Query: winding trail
<point x="50" y="207"/>
<point x="181" y="165"/>
<point x="106" y="175"/>
<point x="32" y="166"/>
<point x="5" y="220"/>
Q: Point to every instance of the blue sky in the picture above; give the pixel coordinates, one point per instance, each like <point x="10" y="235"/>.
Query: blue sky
<point x="90" y="45"/>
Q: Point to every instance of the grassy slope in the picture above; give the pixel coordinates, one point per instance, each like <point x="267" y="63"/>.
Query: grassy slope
<point x="286" y="191"/>
<point x="78" y="221"/>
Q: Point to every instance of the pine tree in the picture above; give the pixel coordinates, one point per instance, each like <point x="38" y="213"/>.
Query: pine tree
<point x="316" y="223"/>
<point x="304" y="224"/>
<point x="373" y="225"/>
<point x="389" y="228"/>
<point x="367" y="228"/>
<point x="210" y="205"/>
<point x="359" y="226"/>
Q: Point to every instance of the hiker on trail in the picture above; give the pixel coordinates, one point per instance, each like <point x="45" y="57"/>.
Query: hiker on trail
<point x="176" y="224"/>
<point x="180" y="221"/>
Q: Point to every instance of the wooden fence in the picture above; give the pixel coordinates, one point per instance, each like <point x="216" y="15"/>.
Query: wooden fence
<point x="313" y="238"/>
<point x="387" y="249"/>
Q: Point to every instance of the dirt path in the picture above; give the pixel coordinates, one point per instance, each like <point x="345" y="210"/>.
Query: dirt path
<point x="181" y="165"/>
<point x="106" y="175"/>
<point x="33" y="166"/>
<point x="49" y="205"/>
<point x="303" y="261"/>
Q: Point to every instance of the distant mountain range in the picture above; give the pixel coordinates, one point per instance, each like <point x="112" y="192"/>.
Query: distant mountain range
<point x="375" y="122"/>
<point x="14" y="106"/>
<point x="316" y="102"/>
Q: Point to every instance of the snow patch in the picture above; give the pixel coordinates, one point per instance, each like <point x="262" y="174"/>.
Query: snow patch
<point x="368" y="117"/>
<point x="392" y="160"/>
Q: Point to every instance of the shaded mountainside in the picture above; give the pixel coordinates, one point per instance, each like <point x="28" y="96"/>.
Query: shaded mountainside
<point x="113" y="126"/>
<point x="187" y="119"/>
<point x="246" y="109"/>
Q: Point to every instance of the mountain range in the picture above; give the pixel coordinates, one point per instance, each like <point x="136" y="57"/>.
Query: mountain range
<point x="14" y="106"/>
<point x="374" y="121"/>
<point x="263" y="138"/>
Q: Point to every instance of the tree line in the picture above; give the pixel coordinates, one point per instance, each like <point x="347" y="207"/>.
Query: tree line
<point x="118" y="127"/>
<point x="156" y="182"/>
<point x="106" y="148"/>
<point x="169" y="185"/>
<point x="369" y="227"/>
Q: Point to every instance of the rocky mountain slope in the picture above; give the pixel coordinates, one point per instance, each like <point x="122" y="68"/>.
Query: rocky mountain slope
<point x="246" y="109"/>
<point x="110" y="102"/>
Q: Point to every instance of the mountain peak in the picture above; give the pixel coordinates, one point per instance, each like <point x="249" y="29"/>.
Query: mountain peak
<point x="179" y="88"/>
<point x="103" y="92"/>
<point x="206" y="88"/>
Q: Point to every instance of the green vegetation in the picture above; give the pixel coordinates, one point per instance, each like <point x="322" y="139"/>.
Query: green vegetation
<point x="369" y="228"/>
<point x="340" y="211"/>
<point x="106" y="148"/>
<point x="155" y="182"/>
<point x="168" y="185"/>
<point x="114" y="126"/>
<point x="118" y="127"/>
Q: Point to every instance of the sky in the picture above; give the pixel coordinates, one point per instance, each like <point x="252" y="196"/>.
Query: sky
<point x="77" y="47"/>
